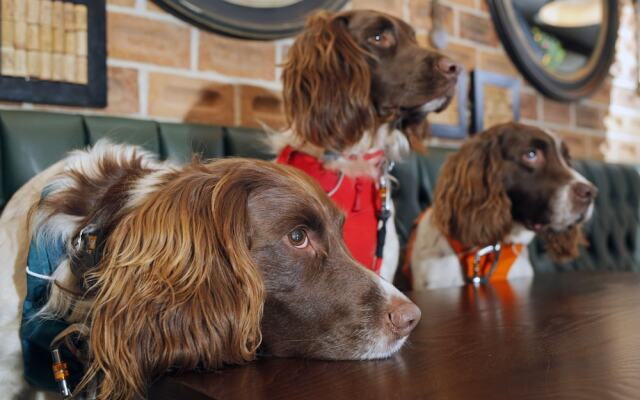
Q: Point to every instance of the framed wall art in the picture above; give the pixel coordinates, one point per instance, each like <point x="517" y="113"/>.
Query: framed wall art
<point x="54" y="52"/>
<point x="496" y="99"/>
<point x="452" y="122"/>
<point x="250" y="19"/>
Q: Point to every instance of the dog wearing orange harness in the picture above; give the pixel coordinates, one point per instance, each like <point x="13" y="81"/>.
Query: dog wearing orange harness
<point x="502" y="188"/>
<point x="357" y="89"/>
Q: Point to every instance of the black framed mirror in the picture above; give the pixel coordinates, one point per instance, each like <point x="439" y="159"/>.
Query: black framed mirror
<point x="562" y="47"/>
<point x="249" y="19"/>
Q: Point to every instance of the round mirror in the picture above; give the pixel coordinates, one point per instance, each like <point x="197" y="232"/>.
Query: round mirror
<point x="562" y="47"/>
<point x="251" y="19"/>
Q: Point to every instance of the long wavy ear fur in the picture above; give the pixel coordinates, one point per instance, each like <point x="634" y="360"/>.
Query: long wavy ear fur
<point x="564" y="246"/>
<point x="177" y="288"/>
<point x="327" y="85"/>
<point x="470" y="203"/>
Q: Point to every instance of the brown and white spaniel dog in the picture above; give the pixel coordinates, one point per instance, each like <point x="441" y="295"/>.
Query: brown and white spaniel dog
<point x="357" y="89"/>
<point x="504" y="186"/>
<point x="202" y="264"/>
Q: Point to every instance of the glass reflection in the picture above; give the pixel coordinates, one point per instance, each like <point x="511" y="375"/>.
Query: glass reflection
<point x="562" y="34"/>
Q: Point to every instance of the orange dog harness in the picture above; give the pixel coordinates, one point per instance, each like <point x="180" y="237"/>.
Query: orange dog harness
<point x="479" y="264"/>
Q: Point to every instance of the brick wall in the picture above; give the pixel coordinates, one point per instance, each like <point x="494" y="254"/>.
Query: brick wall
<point x="160" y="67"/>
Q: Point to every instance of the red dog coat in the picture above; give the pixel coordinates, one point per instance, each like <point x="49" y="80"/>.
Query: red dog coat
<point x="357" y="197"/>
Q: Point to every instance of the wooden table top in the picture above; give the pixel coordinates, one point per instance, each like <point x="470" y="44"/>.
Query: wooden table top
<point x="555" y="337"/>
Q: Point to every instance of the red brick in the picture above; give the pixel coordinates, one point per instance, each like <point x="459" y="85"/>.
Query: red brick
<point x="477" y="28"/>
<point x="556" y="112"/>
<point x="123" y="93"/>
<point x="234" y="57"/>
<point x="260" y="106"/>
<point x="420" y="15"/>
<point x="192" y="100"/>
<point x="528" y="105"/>
<point x="590" y="117"/>
<point x="603" y="93"/>
<point x="463" y="54"/>
<point x="579" y="145"/>
<point x="497" y="62"/>
<point x="393" y="7"/>
<point x="149" y="41"/>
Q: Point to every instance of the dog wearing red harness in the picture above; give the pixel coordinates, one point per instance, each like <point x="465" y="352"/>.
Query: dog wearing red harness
<point x="357" y="89"/>
<point x="502" y="188"/>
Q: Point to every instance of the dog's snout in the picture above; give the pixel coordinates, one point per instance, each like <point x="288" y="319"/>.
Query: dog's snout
<point x="448" y="67"/>
<point x="404" y="316"/>
<point x="583" y="192"/>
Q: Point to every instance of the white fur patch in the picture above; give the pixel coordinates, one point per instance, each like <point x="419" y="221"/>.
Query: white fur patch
<point x="146" y="185"/>
<point x="433" y="105"/>
<point x="383" y="346"/>
<point x="562" y="213"/>
<point x="391" y="250"/>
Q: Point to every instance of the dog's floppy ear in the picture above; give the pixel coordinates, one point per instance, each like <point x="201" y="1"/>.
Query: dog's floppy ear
<point x="564" y="246"/>
<point x="327" y="84"/>
<point x="177" y="288"/>
<point x="470" y="202"/>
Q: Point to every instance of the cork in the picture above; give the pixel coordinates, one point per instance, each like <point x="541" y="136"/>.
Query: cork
<point x="57" y="67"/>
<point x="46" y="69"/>
<point x="46" y="38"/>
<point x="8" y="11"/>
<point x="33" y="37"/>
<point x="58" y="40"/>
<point x="81" y="70"/>
<point x="8" y="61"/>
<point x="69" y="68"/>
<point x="82" y="48"/>
<point x="57" y="15"/>
<point x="33" y="63"/>
<point x="7" y="32"/>
<point x="70" y="42"/>
<point x="33" y="11"/>
<point x="69" y="16"/>
<point x="81" y="17"/>
<point x="46" y="12"/>
<point x="19" y="10"/>
<point x="20" y="64"/>
<point x="20" y="35"/>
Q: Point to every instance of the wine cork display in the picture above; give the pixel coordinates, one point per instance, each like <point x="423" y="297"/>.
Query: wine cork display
<point x="45" y="40"/>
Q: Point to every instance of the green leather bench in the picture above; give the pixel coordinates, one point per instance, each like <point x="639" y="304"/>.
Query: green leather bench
<point x="31" y="141"/>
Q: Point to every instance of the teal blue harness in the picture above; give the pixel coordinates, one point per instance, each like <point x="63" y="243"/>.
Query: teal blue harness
<point x="37" y="333"/>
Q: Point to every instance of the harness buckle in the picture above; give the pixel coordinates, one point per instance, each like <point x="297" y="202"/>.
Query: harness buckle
<point x="88" y="250"/>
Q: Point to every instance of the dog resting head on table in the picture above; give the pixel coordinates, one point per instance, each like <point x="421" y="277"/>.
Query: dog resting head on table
<point x="505" y="185"/>
<point x="202" y="264"/>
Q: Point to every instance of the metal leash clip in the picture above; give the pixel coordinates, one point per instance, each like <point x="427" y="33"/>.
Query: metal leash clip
<point x="60" y="373"/>
<point x="88" y="246"/>
<point x="476" y="279"/>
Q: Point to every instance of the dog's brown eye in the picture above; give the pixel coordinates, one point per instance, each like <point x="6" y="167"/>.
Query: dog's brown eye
<point x="382" y="39"/>
<point x="533" y="157"/>
<point x="298" y="238"/>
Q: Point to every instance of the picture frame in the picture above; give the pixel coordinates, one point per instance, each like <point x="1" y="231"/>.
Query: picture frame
<point x="60" y="59"/>
<point x="452" y="122"/>
<point x="495" y="99"/>
<point x="248" y="19"/>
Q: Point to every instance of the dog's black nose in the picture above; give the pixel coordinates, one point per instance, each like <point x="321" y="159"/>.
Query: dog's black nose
<point x="448" y="67"/>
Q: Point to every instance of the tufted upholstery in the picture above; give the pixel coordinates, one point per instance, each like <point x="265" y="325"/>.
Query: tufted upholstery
<point x="31" y="141"/>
